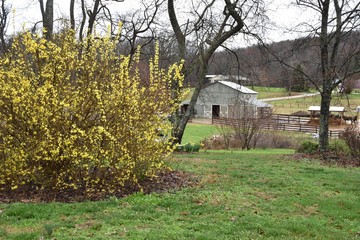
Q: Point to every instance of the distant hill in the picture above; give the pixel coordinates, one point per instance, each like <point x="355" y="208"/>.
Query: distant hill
<point x="257" y="64"/>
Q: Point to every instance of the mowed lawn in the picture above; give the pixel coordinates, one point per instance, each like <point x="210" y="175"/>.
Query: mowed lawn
<point x="195" y="133"/>
<point x="257" y="194"/>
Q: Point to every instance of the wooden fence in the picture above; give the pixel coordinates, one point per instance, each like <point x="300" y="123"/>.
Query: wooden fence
<point x="278" y="123"/>
<point x="290" y="118"/>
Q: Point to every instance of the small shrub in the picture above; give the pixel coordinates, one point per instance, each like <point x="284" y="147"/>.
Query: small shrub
<point x="188" y="147"/>
<point x="308" y="147"/>
<point x="196" y="147"/>
<point x="191" y="147"/>
<point x="276" y="140"/>
<point x="352" y="138"/>
<point x="339" y="147"/>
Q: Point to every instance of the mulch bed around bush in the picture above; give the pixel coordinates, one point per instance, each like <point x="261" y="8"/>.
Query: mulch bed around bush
<point x="166" y="181"/>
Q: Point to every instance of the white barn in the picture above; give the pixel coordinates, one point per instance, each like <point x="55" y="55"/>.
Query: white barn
<point x="229" y="100"/>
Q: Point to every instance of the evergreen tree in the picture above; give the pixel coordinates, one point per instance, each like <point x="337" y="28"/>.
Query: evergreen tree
<point x="298" y="80"/>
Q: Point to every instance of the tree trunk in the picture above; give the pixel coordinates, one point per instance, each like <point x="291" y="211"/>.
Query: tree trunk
<point x="48" y="17"/>
<point x="325" y="72"/>
<point x="180" y="122"/>
<point x="324" y="122"/>
<point x="83" y="20"/>
<point x="72" y="15"/>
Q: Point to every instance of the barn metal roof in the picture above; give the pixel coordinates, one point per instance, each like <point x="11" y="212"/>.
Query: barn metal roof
<point x="237" y="87"/>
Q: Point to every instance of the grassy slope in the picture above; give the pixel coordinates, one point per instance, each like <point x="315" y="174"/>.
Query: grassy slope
<point x="241" y="195"/>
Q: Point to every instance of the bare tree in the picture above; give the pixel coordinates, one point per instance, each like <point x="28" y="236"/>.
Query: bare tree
<point x="226" y="132"/>
<point x="339" y="20"/>
<point x="332" y="49"/>
<point x="90" y="15"/>
<point x="208" y="30"/>
<point x="248" y="131"/>
<point x="139" y="27"/>
<point x="247" y="126"/>
<point x="243" y="127"/>
<point x="93" y="13"/>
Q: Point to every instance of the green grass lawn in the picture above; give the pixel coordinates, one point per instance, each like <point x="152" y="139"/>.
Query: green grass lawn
<point x="257" y="194"/>
<point x="195" y="133"/>
<point x="269" y="92"/>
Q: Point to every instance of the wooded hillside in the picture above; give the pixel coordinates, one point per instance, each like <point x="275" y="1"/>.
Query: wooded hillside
<point x="262" y="64"/>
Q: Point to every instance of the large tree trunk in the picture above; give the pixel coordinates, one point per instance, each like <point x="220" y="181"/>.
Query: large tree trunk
<point x="47" y="13"/>
<point x="326" y="89"/>
<point x="324" y="122"/>
<point x="180" y="122"/>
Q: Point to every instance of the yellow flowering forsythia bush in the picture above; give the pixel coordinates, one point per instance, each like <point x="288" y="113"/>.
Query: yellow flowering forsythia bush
<point x="75" y="115"/>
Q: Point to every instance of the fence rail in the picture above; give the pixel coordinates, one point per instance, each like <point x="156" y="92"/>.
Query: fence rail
<point x="279" y="123"/>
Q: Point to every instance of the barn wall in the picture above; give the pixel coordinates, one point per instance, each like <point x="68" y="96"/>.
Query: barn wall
<point x="242" y="111"/>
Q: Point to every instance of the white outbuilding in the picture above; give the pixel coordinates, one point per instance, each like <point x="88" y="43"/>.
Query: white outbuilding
<point x="230" y="100"/>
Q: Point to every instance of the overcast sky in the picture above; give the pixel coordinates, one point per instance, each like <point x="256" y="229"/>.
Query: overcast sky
<point x="27" y="12"/>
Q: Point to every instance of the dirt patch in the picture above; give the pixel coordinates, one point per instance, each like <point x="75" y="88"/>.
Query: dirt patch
<point x="165" y="181"/>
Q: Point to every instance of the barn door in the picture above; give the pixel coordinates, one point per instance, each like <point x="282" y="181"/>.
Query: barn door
<point x="207" y="111"/>
<point x="224" y="111"/>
